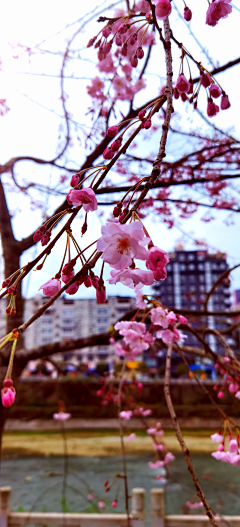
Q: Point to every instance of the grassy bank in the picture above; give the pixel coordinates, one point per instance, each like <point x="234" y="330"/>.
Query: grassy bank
<point x="97" y="443"/>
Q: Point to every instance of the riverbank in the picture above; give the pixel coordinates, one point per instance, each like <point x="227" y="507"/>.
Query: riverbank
<point x="97" y="443"/>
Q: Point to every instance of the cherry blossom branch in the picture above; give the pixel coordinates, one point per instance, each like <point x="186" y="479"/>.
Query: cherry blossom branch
<point x="181" y="440"/>
<point x="214" y="286"/>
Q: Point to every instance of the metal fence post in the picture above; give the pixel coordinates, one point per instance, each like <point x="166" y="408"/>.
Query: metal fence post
<point x="157" y="507"/>
<point x="5" y="493"/>
<point x="138" y="507"/>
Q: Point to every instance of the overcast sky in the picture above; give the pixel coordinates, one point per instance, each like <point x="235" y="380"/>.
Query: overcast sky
<point x="31" y="126"/>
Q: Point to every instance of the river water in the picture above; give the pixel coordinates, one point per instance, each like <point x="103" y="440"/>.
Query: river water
<point x="37" y="483"/>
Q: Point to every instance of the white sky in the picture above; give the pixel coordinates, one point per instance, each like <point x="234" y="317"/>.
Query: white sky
<point x="31" y="127"/>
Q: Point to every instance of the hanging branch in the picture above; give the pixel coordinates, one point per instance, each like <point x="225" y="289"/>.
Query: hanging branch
<point x="181" y="440"/>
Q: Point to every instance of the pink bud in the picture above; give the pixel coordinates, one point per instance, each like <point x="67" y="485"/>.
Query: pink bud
<point x="106" y="31"/>
<point x="175" y="93"/>
<point x="141" y="114"/>
<point x="215" y="91"/>
<point x="134" y="62"/>
<point x="91" y="42"/>
<point x="112" y="131"/>
<point x="101" y="295"/>
<point x="108" y="153"/>
<point x="220" y="395"/>
<point x="212" y="108"/>
<point x="124" y="50"/>
<point x="118" y="40"/>
<point x="38" y="234"/>
<point x="182" y="84"/>
<point x="8" y="393"/>
<point x="45" y="238"/>
<point x="87" y="281"/>
<point x="116" y="144"/>
<point x="133" y="39"/>
<point x="187" y="14"/>
<point x="205" y="79"/>
<point x="140" y="53"/>
<point x="114" y="503"/>
<point x="6" y="282"/>
<point x="225" y="104"/>
<point x="147" y="124"/>
<point x="221" y="448"/>
<point x="184" y="97"/>
<point x="163" y="9"/>
<point x="74" y="180"/>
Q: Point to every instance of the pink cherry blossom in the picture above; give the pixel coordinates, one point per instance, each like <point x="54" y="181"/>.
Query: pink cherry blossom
<point x="155" y="465"/>
<point x="73" y="288"/>
<point x="215" y="91"/>
<point x="171" y="317"/>
<point x="66" y="276"/>
<point x="126" y="414"/>
<point x="85" y="197"/>
<point x="156" y="261"/>
<point x="8" y="393"/>
<point x="217" y="437"/>
<point x="212" y="108"/>
<point x="218" y="9"/>
<point x="90" y="496"/>
<point x="121" y="243"/>
<point x="225" y="104"/>
<point x="133" y="278"/>
<point x="237" y="395"/>
<point x="61" y="416"/>
<point x="51" y="287"/>
<point x="163" y="9"/>
<point x="158" y="447"/>
<point x="134" y="335"/>
<point x="205" y="79"/>
<point x="101" y="504"/>
<point x="140" y="302"/>
<point x="159" y="317"/>
<point x="169" y="457"/>
<point x="182" y="84"/>
<point x="130" y="437"/>
<point x="168" y="336"/>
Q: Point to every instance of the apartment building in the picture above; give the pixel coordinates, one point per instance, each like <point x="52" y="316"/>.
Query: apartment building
<point x="191" y="275"/>
<point x="75" y="318"/>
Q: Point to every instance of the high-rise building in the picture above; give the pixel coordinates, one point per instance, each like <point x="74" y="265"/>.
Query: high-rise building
<point x="70" y="318"/>
<point x="190" y="275"/>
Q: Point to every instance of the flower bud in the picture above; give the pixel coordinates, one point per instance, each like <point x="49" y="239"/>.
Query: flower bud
<point x="6" y="282"/>
<point x="108" y="153"/>
<point x="141" y="114"/>
<point x="116" y="144"/>
<point x="134" y="61"/>
<point x="187" y="14"/>
<point x="118" y="40"/>
<point x="74" y="180"/>
<point x="8" y="393"/>
<point x="205" y="79"/>
<point x="140" y="53"/>
<point x="106" y="31"/>
<point x="112" y="131"/>
<point x="225" y="104"/>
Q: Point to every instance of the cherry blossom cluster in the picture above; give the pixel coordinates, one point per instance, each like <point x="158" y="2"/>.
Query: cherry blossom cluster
<point x="229" y="382"/>
<point x="136" y="338"/>
<point x="184" y="88"/>
<point x="162" y="457"/>
<point x="232" y="454"/>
